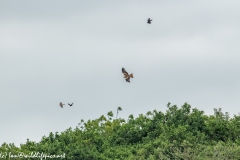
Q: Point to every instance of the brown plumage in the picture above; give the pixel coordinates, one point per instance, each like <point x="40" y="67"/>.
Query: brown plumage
<point x="61" y="105"/>
<point x="126" y="75"/>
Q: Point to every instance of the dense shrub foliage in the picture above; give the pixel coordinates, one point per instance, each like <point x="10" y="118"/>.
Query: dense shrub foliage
<point x="183" y="133"/>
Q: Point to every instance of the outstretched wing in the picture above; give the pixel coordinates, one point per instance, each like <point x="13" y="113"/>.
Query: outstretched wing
<point x="124" y="71"/>
<point x="128" y="79"/>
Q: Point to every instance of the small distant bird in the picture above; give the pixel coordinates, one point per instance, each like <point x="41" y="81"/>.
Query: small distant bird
<point x="70" y="104"/>
<point x="149" y="21"/>
<point x="126" y="75"/>
<point x="61" y="105"/>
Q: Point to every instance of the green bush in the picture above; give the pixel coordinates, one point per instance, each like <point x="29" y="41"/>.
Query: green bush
<point x="183" y="133"/>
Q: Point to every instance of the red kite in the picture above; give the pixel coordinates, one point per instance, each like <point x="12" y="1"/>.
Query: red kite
<point x="126" y="75"/>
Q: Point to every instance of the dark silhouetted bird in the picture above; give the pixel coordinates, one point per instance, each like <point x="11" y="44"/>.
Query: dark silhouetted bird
<point x="70" y="104"/>
<point x="126" y="75"/>
<point x="61" y="105"/>
<point x="149" y="21"/>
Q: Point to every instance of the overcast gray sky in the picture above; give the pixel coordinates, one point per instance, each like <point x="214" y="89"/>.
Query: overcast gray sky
<point x="73" y="51"/>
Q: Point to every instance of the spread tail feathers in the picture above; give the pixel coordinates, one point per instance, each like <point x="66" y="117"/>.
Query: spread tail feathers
<point x="131" y="75"/>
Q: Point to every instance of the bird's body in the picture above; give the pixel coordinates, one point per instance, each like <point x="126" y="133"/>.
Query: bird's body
<point x="126" y="75"/>
<point x="149" y="21"/>
<point x="61" y="105"/>
<point x="70" y="104"/>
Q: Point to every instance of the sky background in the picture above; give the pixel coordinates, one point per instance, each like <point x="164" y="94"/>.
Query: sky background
<point x="68" y="51"/>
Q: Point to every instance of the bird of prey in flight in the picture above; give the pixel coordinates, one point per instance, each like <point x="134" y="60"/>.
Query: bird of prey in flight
<point x="126" y="75"/>
<point x="149" y="21"/>
<point x="70" y="104"/>
<point x="61" y="105"/>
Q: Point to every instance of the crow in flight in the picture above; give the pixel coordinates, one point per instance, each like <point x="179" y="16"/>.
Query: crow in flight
<point x="149" y="21"/>
<point x="70" y="104"/>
